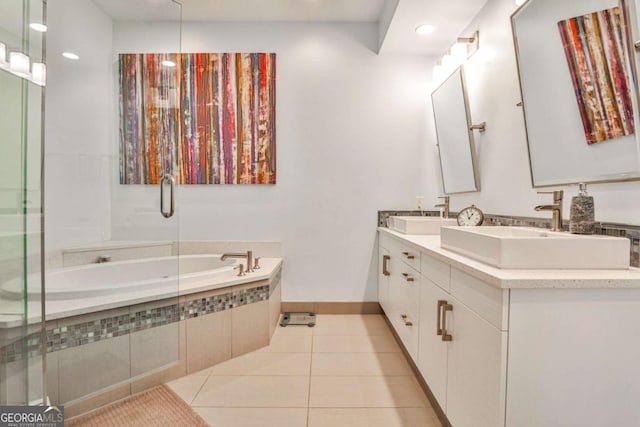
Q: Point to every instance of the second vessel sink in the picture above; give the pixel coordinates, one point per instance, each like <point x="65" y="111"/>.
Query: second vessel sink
<point x="419" y="224"/>
<point x="535" y="248"/>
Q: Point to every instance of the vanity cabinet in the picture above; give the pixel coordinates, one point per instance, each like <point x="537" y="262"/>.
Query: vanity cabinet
<point x="462" y="356"/>
<point x="384" y="261"/>
<point x="527" y="348"/>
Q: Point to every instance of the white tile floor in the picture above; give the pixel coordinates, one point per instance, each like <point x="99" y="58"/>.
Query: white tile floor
<point x="346" y="371"/>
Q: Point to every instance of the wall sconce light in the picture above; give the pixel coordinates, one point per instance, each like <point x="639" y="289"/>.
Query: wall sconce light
<point x="462" y="49"/>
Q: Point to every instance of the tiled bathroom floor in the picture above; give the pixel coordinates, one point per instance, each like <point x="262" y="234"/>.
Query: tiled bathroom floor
<point x="346" y="371"/>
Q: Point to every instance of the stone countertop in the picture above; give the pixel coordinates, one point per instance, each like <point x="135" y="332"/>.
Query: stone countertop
<point x="58" y="309"/>
<point x="521" y="278"/>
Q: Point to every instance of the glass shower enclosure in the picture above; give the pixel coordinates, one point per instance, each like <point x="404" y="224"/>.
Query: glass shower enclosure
<point x="84" y="204"/>
<point x="21" y="94"/>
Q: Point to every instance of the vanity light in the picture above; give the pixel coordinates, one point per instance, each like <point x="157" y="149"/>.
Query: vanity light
<point x="41" y="28"/>
<point x="70" y="55"/>
<point x="19" y="63"/>
<point x="39" y="73"/>
<point x="463" y="48"/>
<point x="425" y="29"/>
<point x="168" y="63"/>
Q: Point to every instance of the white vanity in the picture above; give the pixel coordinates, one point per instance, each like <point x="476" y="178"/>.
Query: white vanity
<point x="515" y="347"/>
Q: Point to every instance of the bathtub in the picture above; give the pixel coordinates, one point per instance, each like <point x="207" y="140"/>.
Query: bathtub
<point x="153" y="275"/>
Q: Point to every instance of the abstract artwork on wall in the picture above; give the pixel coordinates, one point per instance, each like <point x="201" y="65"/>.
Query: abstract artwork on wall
<point x="595" y="48"/>
<point x="207" y="118"/>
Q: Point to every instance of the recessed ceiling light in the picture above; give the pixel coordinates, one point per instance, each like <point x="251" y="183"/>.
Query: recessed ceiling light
<point x="425" y="29"/>
<point x="70" y="55"/>
<point x="41" y="28"/>
<point x="168" y="63"/>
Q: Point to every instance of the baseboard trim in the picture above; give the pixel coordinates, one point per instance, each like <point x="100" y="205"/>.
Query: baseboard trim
<point x="364" y="307"/>
<point x="432" y="399"/>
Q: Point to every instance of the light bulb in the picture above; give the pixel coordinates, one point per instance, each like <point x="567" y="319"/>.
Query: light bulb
<point x="41" y="28"/>
<point x="425" y="29"/>
<point x="3" y="53"/>
<point x="39" y="73"/>
<point x="520" y="2"/>
<point x="70" y="55"/>
<point x="459" y="52"/>
<point x="19" y="63"/>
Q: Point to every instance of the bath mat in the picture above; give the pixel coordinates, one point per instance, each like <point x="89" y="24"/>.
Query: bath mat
<point x="159" y="407"/>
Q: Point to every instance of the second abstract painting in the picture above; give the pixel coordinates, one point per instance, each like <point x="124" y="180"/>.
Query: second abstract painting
<point x="596" y="53"/>
<point x="208" y="118"/>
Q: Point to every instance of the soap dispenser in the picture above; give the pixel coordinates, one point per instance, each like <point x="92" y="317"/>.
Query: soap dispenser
<point x="582" y="218"/>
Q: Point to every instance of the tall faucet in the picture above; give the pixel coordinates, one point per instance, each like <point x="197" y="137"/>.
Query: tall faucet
<point x="444" y="205"/>
<point x="248" y="255"/>
<point x="556" y="208"/>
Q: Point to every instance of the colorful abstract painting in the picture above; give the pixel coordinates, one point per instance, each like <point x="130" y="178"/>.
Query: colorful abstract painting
<point x="207" y="118"/>
<point x="595" y="48"/>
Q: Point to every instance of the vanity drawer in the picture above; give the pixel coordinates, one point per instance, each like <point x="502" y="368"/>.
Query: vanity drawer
<point x="408" y="254"/>
<point x="437" y="271"/>
<point x="487" y="301"/>
<point x="404" y="291"/>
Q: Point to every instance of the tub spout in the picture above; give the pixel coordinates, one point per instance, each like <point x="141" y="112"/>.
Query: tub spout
<point x="103" y="258"/>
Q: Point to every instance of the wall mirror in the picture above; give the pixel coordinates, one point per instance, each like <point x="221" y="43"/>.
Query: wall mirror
<point x="577" y="70"/>
<point x="455" y="137"/>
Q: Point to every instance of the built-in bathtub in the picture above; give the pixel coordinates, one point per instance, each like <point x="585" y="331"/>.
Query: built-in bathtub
<point x="156" y="275"/>
<point x="142" y="321"/>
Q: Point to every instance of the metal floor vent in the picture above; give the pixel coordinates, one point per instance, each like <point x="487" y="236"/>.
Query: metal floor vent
<point x="305" y="318"/>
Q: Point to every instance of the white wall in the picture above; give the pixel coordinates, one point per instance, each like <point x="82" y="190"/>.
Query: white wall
<point x="78" y="129"/>
<point x="350" y="141"/>
<point x="492" y="81"/>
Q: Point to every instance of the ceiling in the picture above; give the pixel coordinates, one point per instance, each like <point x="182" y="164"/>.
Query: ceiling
<point x="245" y="10"/>
<point x="449" y="16"/>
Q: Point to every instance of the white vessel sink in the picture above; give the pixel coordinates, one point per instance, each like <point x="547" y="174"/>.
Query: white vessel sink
<point x="535" y="248"/>
<point x="419" y="224"/>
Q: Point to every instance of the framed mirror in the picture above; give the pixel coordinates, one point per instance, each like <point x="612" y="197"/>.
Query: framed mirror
<point x="577" y="78"/>
<point x="455" y="137"/>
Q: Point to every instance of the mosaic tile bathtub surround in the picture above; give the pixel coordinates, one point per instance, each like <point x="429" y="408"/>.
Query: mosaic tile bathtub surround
<point x="60" y="338"/>
<point x="631" y="232"/>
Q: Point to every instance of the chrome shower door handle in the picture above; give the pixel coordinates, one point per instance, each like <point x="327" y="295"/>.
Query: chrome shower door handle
<point x="167" y="178"/>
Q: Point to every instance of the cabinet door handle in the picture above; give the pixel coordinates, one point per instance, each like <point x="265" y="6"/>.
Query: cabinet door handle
<point x="407" y="277"/>
<point x="445" y="335"/>
<point x="406" y="320"/>
<point x="385" y="265"/>
<point x="408" y="255"/>
<point x="441" y="303"/>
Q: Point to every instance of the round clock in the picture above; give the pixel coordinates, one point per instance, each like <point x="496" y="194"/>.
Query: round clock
<point x="470" y="216"/>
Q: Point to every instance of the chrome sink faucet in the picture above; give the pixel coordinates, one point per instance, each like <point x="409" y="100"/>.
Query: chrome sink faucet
<point x="555" y="208"/>
<point x="444" y="205"/>
<point x="248" y="255"/>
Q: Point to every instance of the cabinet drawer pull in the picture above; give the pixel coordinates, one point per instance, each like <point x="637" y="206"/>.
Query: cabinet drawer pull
<point x="445" y="335"/>
<point x="406" y="320"/>
<point x="407" y="277"/>
<point x="408" y="255"/>
<point x="385" y="265"/>
<point x="441" y="303"/>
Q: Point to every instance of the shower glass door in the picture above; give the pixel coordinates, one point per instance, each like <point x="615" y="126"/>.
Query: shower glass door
<point x="112" y="127"/>
<point x="21" y="54"/>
